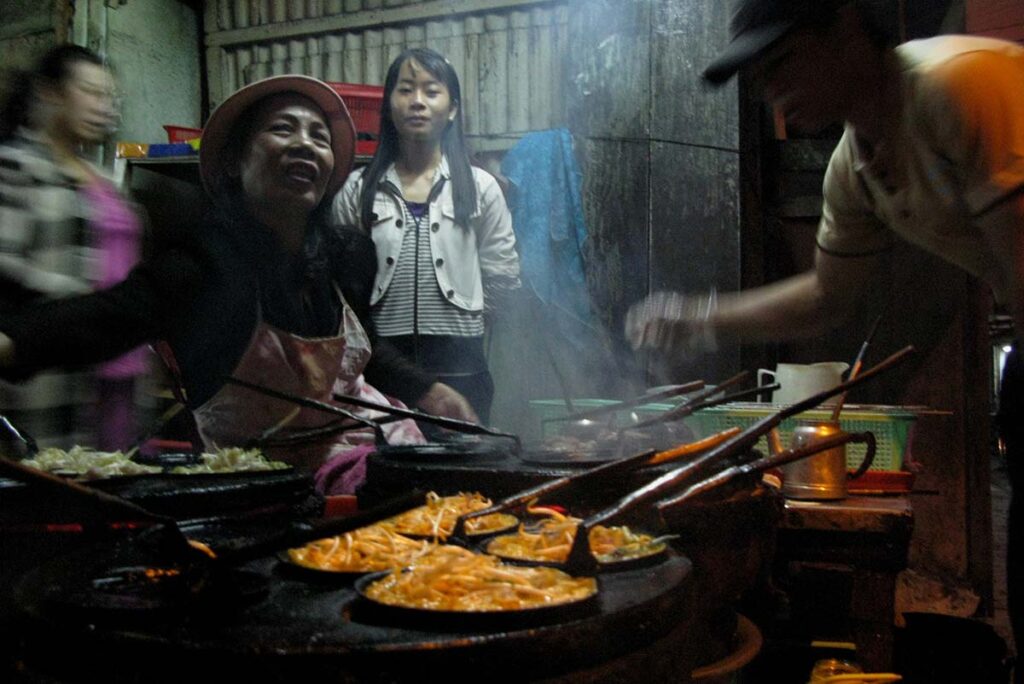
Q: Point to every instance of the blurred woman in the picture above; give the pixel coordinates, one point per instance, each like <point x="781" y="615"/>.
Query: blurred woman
<point x="64" y="230"/>
<point x="266" y="292"/>
<point x="445" y="248"/>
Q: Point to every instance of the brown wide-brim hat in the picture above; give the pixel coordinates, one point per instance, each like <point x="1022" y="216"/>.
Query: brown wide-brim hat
<point x="217" y="134"/>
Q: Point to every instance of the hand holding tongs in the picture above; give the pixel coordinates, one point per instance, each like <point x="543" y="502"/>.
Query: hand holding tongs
<point x="581" y="559"/>
<point x="356" y="421"/>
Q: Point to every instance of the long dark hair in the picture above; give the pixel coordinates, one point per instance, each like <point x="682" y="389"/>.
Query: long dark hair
<point x="51" y="70"/>
<point x="453" y="143"/>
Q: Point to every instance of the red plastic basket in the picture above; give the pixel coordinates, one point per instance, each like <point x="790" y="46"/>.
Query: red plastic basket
<point x="180" y="134"/>
<point x="364" y="103"/>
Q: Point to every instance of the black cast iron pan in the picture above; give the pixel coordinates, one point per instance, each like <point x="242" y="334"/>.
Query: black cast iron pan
<point x="318" y="633"/>
<point x="454" y="451"/>
<point x="204" y="494"/>
<point x="196" y="568"/>
<point x="659" y="552"/>
<point x="612" y="445"/>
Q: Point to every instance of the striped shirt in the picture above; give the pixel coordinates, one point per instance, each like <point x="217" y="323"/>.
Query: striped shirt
<point x="414" y="303"/>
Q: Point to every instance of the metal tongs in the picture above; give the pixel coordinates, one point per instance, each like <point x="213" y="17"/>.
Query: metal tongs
<point x="393" y="413"/>
<point x="353" y="421"/>
<point x="702" y="400"/>
<point x="581" y="560"/>
<point x="618" y="467"/>
<point x="25" y="443"/>
<point x="621" y="466"/>
<point x="463" y="426"/>
<point x="673" y="391"/>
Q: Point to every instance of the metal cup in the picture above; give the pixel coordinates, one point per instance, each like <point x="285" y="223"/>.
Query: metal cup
<point x="821" y="476"/>
<point x="826" y="670"/>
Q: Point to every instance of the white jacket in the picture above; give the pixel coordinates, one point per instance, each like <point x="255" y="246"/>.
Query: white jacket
<point x="481" y="256"/>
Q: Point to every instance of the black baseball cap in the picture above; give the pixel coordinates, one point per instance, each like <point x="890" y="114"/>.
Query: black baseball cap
<point x="757" y="24"/>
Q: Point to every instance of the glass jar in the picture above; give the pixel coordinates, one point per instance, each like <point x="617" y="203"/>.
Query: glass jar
<point x="823" y="669"/>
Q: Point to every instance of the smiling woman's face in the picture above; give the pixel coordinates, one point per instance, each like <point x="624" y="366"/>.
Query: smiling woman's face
<point x="287" y="160"/>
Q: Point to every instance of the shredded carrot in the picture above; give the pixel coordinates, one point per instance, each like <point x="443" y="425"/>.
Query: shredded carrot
<point x="551" y="540"/>
<point x="437" y="517"/>
<point x="365" y="550"/>
<point x="451" y="578"/>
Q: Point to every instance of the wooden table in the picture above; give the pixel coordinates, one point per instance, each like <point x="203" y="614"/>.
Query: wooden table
<point x="839" y="560"/>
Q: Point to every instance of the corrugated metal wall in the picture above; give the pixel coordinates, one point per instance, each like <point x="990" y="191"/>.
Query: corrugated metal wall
<point x="508" y="53"/>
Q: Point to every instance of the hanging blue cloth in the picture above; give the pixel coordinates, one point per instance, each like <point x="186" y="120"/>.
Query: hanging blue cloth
<point x="547" y="216"/>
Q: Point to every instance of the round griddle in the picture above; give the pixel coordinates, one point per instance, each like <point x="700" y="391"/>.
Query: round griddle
<point x="178" y="496"/>
<point x="278" y="627"/>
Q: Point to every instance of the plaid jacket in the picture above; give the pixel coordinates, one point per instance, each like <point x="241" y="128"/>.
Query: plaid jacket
<point x="44" y="239"/>
<point x="45" y="253"/>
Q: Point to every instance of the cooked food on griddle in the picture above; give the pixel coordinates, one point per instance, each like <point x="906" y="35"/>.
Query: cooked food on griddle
<point x="551" y="539"/>
<point x="569" y="443"/>
<point x="87" y="464"/>
<point x="232" y="460"/>
<point x="436" y="519"/>
<point x="450" y="578"/>
<point x="367" y="549"/>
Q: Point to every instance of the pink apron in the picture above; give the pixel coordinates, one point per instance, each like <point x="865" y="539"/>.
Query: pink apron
<point x="312" y="368"/>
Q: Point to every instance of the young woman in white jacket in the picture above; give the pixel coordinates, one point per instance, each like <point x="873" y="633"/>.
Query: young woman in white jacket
<point x="445" y="248"/>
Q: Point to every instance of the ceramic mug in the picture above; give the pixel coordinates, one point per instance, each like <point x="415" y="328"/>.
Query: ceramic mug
<point x="797" y="381"/>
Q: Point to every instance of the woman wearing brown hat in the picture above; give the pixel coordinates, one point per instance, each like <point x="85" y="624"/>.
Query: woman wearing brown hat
<point x="266" y="292"/>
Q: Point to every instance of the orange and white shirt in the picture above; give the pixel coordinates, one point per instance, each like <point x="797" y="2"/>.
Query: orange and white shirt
<point x="954" y="152"/>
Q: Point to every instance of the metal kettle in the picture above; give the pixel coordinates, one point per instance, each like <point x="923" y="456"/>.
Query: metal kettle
<point x="823" y="476"/>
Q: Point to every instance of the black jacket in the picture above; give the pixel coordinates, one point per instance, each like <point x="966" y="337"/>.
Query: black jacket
<point x="203" y="294"/>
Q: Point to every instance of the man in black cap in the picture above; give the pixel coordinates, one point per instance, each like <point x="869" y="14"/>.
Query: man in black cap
<point x="933" y="152"/>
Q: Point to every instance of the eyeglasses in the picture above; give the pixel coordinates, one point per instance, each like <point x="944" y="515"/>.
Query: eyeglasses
<point x="114" y="96"/>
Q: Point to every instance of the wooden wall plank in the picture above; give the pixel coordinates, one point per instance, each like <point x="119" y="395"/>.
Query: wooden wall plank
<point x="616" y="197"/>
<point x="984" y="16"/>
<point x="695" y="238"/>
<point x="686" y="38"/>
<point x="609" y="64"/>
<point x="283" y="27"/>
<point x="1013" y="33"/>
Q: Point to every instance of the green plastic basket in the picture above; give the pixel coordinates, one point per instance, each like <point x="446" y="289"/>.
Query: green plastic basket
<point x="891" y="426"/>
<point x="542" y="412"/>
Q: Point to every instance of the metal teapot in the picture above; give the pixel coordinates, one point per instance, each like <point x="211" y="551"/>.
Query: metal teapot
<point x="823" y="476"/>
